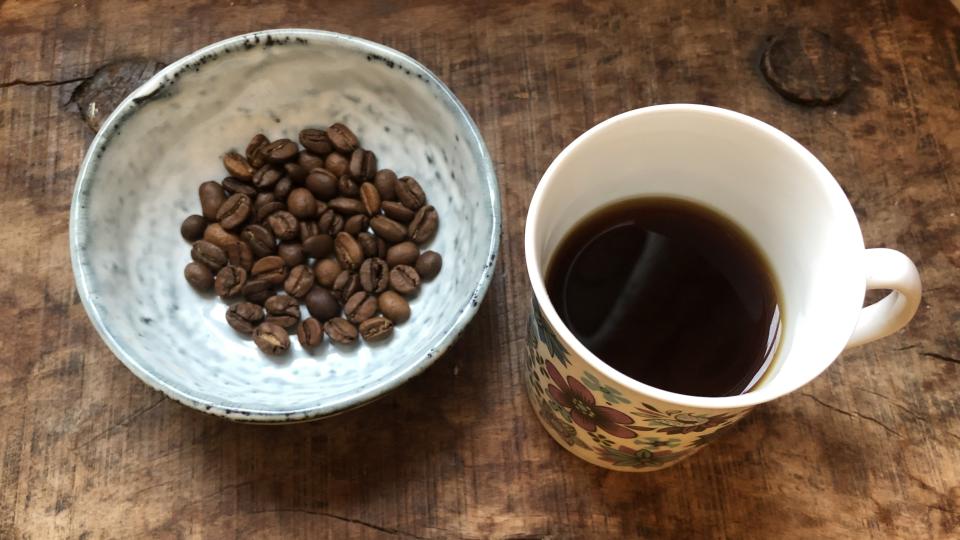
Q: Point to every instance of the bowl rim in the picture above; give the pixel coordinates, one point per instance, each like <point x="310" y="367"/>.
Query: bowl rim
<point x="369" y="393"/>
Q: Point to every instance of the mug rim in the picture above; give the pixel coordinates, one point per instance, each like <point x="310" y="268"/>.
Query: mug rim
<point x="762" y="395"/>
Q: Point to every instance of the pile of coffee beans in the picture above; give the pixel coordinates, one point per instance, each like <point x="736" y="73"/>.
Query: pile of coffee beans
<point x="319" y="227"/>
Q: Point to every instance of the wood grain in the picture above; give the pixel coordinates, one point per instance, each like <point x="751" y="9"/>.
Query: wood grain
<point x="871" y="449"/>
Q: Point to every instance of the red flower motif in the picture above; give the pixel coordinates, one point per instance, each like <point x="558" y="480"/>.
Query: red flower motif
<point x="584" y="411"/>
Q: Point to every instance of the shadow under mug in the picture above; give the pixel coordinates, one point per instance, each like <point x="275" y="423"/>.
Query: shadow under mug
<point x="774" y="189"/>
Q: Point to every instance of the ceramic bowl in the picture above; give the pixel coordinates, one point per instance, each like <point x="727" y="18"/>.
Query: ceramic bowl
<point x="139" y="180"/>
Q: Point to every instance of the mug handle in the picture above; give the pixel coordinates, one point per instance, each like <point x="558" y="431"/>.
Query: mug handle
<point x="887" y="269"/>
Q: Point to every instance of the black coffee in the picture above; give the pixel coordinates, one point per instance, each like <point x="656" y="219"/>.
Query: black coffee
<point x="668" y="293"/>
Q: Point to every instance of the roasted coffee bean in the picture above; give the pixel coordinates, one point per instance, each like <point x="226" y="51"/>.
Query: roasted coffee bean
<point x="272" y="270"/>
<point x="234" y="211"/>
<point x="424" y="224"/>
<point x="346" y="206"/>
<point x="360" y="306"/>
<point x="237" y="166"/>
<point x="321" y="304"/>
<point x="345" y="285"/>
<point x="266" y="210"/>
<point x="291" y="253"/>
<point x="192" y="228"/>
<point x="394" y="307"/>
<point x="280" y="150"/>
<point x="310" y="333"/>
<point x="403" y="279"/>
<point x="342" y="138"/>
<point x="229" y="281"/>
<point x="310" y="161"/>
<point x="211" y="197"/>
<point x="330" y="222"/>
<point x="321" y="208"/>
<point x="283" y="188"/>
<point x="410" y="193"/>
<point x="322" y="183"/>
<point x="381" y="248"/>
<point x="271" y="338"/>
<point x="262" y="199"/>
<point x="326" y="271"/>
<point x="374" y="275"/>
<point x="386" y="182"/>
<point x="336" y="164"/>
<point x="388" y="229"/>
<point x="370" y="197"/>
<point x="256" y="143"/>
<point x="296" y="172"/>
<point x="376" y="329"/>
<point x="218" y="236"/>
<point x="208" y="254"/>
<point x="318" y="245"/>
<point x="355" y="225"/>
<point x="301" y="203"/>
<point x="282" y="310"/>
<point x="348" y="252"/>
<point x="315" y="202"/>
<point x="397" y="211"/>
<point x="308" y="228"/>
<point x="257" y="290"/>
<point x="258" y="158"/>
<point x="199" y="276"/>
<point x="340" y="331"/>
<point x="284" y="225"/>
<point x="316" y="141"/>
<point x="363" y="164"/>
<point x="403" y="253"/>
<point x="266" y="177"/>
<point x="369" y="244"/>
<point x="346" y="187"/>
<point x="244" y="317"/>
<point x="233" y="186"/>
<point x="299" y="281"/>
<point x="428" y="264"/>
<point x="260" y="239"/>
<point x="239" y="254"/>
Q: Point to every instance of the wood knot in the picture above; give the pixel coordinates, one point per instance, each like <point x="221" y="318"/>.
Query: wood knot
<point x="105" y="89"/>
<point x="806" y="66"/>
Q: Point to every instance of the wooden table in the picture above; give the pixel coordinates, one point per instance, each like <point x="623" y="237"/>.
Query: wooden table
<point x="870" y="449"/>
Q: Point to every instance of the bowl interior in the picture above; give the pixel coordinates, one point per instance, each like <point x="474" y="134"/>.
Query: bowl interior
<point x="141" y="180"/>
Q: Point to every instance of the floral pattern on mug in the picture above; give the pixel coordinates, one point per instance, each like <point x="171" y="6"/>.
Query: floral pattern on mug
<point x="549" y="337"/>
<point x="571" y="394"/>
<point x="599" y="421"/>
<point x="562" y="428"/>
<point x="677" y="421"/>
<point x="645" y="457"/>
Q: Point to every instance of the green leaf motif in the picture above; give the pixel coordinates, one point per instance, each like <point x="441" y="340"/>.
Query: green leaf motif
<point x="612" y="395"/>
<point x="549" y="338"/>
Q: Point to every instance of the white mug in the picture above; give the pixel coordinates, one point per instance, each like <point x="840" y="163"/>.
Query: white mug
<point x="781" y="196"/>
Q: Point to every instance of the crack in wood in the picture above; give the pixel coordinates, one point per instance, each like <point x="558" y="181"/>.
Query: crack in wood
<point x="915" y="414"/>
<point x="893" y="402"/>
<point x="122" y="423"/>
<point x="939" y="356"/>
<point x="380" y="528"/>
<point x="21" y="82"/>
<point x="854" y="414"/>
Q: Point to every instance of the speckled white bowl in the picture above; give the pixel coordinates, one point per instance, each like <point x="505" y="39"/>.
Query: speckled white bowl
<point x="139" y="180"/>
